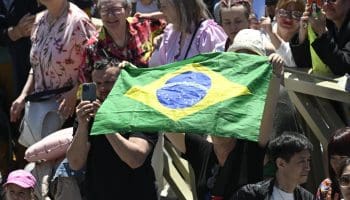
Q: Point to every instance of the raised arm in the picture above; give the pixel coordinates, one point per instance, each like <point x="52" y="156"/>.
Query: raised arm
<point x="271" y="100"/>
<point x="178" y="140"/>
<point x="132" y="151"/>
<point x="77" y="152"/>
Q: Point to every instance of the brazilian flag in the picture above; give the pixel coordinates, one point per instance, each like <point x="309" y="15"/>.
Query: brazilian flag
<point x="219" y="94"/>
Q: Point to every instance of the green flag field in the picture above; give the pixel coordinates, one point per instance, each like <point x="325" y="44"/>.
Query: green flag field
<point x="220" y="94"/>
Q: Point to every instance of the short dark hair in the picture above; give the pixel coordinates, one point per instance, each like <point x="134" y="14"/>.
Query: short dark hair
<point x="104" y="63"/>
<point x="286" y="145"/>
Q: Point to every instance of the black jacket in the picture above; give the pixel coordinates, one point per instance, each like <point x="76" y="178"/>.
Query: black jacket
<point x="19" y="49"/>
<point x="263" y="191"/>
<point x="12" y="16"/>
<point x="333" y="48"/>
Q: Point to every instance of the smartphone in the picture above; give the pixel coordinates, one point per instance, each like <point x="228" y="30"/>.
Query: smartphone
<point x="259" y="9"/>
<point x="315" y="7"/>
<point x="318" y="2"/>
<point x="88" y="92"/>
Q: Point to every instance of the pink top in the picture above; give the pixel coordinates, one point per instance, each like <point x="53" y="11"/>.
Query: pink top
<point x="209" y="37"/>
<point x="58" y="51"/>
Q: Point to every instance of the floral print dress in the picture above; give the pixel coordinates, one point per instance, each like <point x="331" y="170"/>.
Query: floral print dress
<point x="58" y="49"/>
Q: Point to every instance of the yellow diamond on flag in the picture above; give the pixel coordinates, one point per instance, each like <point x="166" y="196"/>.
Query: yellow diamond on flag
<point x="186" y="91"/>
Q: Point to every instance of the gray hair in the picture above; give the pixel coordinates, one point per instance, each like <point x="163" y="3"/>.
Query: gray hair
<point x="126" y="4"/>
<point x="190" y="12"/>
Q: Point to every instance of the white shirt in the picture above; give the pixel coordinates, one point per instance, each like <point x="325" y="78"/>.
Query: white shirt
<point x="284" y="49"/>
<point x="279" y="194"/>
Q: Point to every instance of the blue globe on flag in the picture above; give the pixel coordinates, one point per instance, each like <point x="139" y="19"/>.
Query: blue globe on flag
<point x="184" y="90"/>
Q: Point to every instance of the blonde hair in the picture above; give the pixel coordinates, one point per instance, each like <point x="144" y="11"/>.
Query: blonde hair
<point x="299" y="4"/>
<point x="190" y="12"/>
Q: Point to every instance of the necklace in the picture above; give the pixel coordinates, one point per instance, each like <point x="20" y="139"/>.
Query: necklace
<point x="52" y="20"/>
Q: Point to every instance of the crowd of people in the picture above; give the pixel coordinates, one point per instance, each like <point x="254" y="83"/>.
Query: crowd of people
<point x="56" y="48"/>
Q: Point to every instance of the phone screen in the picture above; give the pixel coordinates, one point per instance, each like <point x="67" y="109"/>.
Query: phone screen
<point x="317" y="2"/>
<point x="88" y="92"/>
<point x="259" y="9"/>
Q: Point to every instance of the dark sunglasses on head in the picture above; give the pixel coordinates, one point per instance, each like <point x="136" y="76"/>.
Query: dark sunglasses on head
<point x="290" y="14"/>
<point x="344" y="180"/>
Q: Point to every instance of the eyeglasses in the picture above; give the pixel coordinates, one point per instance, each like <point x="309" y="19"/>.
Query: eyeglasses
<point x="290" y="14"/>
<point x="112" y="10"/>
<point x="344" y="180"/>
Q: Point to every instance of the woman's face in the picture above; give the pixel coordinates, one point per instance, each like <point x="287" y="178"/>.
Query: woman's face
<point x="336" y="10"/>
<point x="168" y="8"/>
<point x="288" y="19"/>
<point x="336" y="161"/>
<point x="233" y="20"/>
<point x="113" y="14"/>
<point x="344" y="182"/>
<point x="15" y="192"/>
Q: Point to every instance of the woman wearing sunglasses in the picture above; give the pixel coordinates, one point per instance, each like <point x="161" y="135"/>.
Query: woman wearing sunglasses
<point x="338" y="151"/>
<point x="344" y="180"/>
<point x="331" y="41"/>
<point x="288" y="13"/>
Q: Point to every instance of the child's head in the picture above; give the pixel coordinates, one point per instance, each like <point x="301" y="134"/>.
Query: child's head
<point x="234" y="16"/>
<point x="19" y="185"/>
<point x="248" y="41"/>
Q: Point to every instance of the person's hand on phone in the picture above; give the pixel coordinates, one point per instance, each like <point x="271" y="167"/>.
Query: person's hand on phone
<point x="254" y="23"/>
<point x="304" y="21"/>
<point x="86" y="110"/>
<point x="318" y="23"/>
<point x="266" y="25"/>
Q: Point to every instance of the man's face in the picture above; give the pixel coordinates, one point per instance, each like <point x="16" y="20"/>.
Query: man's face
<point x="105" y="79"/>
<point x="298" y="167"/>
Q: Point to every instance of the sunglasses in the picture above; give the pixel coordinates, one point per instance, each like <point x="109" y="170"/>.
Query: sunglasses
<point x="344" y="180"/>
<point x="112" y="10"/>
<point x="290" y="14"/>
